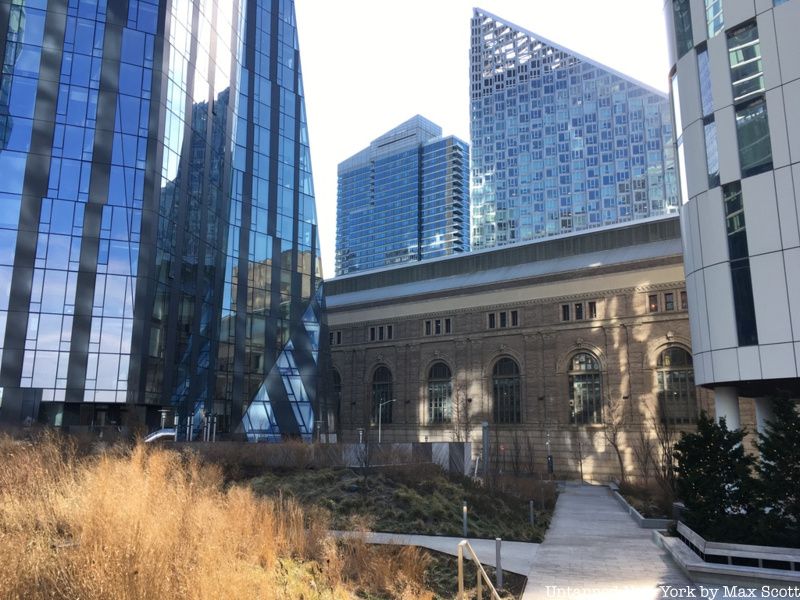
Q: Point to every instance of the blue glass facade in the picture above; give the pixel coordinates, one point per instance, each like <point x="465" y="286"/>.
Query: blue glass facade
<point x="560" y="143"/>
<point x="405" y="198"/>
<point x="158" y="242"/>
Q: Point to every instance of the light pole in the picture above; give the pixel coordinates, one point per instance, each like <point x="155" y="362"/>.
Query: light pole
<point x="380" y="416"/>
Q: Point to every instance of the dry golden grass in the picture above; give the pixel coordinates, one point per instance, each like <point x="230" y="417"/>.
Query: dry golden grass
<point x="151" y="523"/>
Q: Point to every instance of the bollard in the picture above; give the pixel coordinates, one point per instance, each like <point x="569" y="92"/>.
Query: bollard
<point x="214" y="428"/>
<point x="176" y="426"/>
<point x="533" y="515"/>
<point x="499" y="569"/>
<point x="464" y="513"/>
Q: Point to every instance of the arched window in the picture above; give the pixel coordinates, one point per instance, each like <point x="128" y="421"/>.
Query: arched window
<point x="381" y="395"/>
<point x="336" y="396"/>
<point x="585" y="390"/>
<point x="505" y="382"/>
<point x="440" y="393"/>
<point x="677" y="402"/>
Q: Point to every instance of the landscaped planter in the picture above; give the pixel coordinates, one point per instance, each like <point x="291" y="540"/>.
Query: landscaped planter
<point x="643" y="522"/>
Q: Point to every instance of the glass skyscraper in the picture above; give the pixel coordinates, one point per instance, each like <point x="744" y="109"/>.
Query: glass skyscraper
<point x="404" y="198"/>
<point x="560" y="143"/>
<point x="158" y="240"/>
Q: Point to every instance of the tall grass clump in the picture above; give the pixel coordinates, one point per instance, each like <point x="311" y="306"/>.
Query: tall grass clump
<point x="136" y="523"/>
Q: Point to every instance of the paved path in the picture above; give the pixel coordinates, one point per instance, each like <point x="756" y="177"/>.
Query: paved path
<point x="517" y="557"/>
<point x="594" y="550"/>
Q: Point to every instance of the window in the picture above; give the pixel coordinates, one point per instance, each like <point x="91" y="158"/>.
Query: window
<point x="440" y="405"/>
<point x="579" y="311"/>
<point x="652" y="303"/>
<point x="684" y="300"/>
<point x="714" y="17"/>
<point x="514" y="318"/>
<point x="592" y="310"/>
<point x="683" y="26"/>
<point x="503" y="320"/>
<point x="778" y="2"/>
<point x="337" y="388"/>
<point x="744" y="54"/>
<point x="585" y="393"/>
<point x="437" y="326"/>
<point x="669" y="301"/>
<point x="382" y="395"/>
<point x="742" y="283"/>
<point x="712" y="151"/>
<point x="448" y="326"/>
<point x="752" y="134"/>
<point x="389" y="332"/>
<point x="371" y="334"/>
<point x="505" y="387"/>
<point x="565" y="312"/>
<point x="380" y="333"/>
<point x="676" y="391"/>
<point x="492" y="321"/>
<point x="335" y="337"/>
<point x="428" y="328"/>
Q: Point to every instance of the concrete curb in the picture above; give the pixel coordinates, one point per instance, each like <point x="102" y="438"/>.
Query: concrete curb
<point x="643" y="522"/>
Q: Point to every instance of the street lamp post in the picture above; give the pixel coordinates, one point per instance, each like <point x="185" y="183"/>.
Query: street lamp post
<point x="380" y="415"/>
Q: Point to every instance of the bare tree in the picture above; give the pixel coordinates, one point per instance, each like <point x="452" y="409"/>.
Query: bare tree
<point x="615" y="421"/>
<point x="666" y="437"/>
<point x="644" y="453"/>
<point x="461" y="419"/>
<point x="530" y="463"/>
<point x="516" y="454"/>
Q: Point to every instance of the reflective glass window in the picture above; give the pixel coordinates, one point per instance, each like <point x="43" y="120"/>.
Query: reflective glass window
<point x="683" y="26"/>
<point x="714" y="17"/>
<point x="744" y="53"/>
<point x="585" y="393"/>
<point x="676" y="391"/>
<point x="506" y="407"/>
<point x="382" y="395"/>
<point x="439" y="393"/>
<point x="712" y="152"/>
<point x="752" y="134"/>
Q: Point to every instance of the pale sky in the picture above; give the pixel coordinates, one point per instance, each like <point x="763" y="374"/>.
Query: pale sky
<point x="369" y="65"/>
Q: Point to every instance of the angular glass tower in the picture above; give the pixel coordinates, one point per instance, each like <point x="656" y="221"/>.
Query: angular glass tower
<point x="560" y="143"/>
<point x="404" y="198"/>
<point x="158" y="241"/>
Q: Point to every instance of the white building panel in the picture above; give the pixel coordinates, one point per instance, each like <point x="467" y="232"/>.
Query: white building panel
<point x="720" y="311"/>
<point x="698" y="12"/>
<point x="689" y="92"/>
<point x="761" y="214"/>
<point x="791" y="98"/>
<point x="728" y="146"/>
<point x="696" y="314"/>
<point x="726" y="364"/>
<point x="703" y="343"/>
<point x="787" y="16"/>
<point x="700" y="375"/>
<point x="694" y="231"/>
<point x="778" y="361"/>
<point x="770" y="298"/>
<point x="708" y="367"/>
<point x="787" y="205"/>
<point x="711" y="227"/>
<point x="687" y="222"/>
<point x="762" y="5"/>
<point x="777" y="128"/>
<point x="720" y="72"/>
<point x="792" y="259"/>
<point x="696" y="171"/>
<point x="769" y="50"/>
<point x="737" y="11"/>
<point x="749" y="362"/>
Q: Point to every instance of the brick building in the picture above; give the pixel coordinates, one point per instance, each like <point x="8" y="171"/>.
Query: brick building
<point x="562" y="340"/>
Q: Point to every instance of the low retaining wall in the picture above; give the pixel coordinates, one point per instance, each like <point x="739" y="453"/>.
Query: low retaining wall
<point x="690" y="550"/>
<point x="643" y="522"/>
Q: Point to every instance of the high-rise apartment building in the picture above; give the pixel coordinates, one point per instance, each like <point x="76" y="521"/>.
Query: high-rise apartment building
<point x="404" y="198"/>
<point x="560" y="143"/>
<point x="735" y="87"/>
<point x="158" y="240"/>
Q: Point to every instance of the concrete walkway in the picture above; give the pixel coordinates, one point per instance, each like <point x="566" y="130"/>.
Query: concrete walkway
<point x="594" y="550"/>
<point x="516" y="557"/>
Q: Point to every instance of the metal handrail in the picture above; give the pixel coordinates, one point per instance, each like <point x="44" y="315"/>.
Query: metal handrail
<point x="481" y="578"/>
